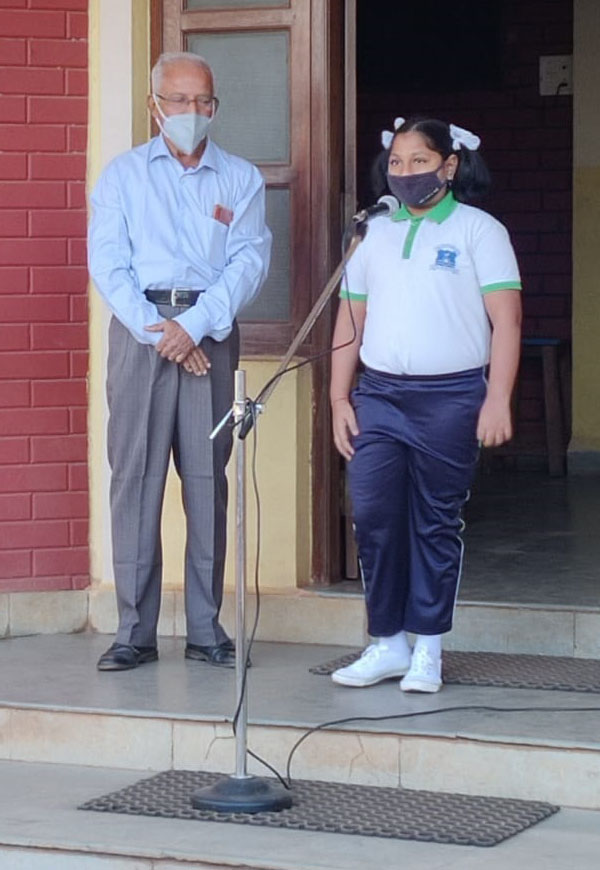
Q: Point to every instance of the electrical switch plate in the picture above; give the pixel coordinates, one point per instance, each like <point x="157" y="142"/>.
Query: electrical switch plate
<point x="556" y="75"/>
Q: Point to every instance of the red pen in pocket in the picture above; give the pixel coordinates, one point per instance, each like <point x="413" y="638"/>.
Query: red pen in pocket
<point x="222" y="214"/>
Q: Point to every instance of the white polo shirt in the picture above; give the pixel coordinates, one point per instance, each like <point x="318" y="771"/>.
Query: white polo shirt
<point x="422" y="279"/>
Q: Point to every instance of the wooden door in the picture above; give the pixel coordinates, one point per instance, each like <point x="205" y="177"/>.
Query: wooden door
<point x="279" y="72"/>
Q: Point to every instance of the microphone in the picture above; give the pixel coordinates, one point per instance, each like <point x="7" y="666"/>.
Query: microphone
<point x="385" y="205"/>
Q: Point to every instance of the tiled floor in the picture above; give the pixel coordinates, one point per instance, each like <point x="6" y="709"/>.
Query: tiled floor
<point x="529" y="539"/>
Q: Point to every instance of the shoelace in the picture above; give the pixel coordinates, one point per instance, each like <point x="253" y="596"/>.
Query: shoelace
<point x="423" y="661"/>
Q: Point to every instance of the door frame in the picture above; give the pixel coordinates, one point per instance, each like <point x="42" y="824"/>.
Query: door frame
<point x="316" y="216"/>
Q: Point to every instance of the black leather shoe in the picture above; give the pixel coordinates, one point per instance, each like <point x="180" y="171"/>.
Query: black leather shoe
<point x="222" y="655"/>
<point x="124" y="657"/>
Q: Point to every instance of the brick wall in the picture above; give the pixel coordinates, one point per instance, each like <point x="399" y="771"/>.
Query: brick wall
<point x="43" y="283"/>
<point x="527" y="143"/>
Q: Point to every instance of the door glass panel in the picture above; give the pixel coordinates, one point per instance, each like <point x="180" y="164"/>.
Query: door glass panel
<point x="252" y="83"/>
<point x="273" y="302"/>
<point x="234" y="4"/>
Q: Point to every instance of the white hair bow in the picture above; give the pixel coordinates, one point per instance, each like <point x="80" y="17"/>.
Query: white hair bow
<point x="387" y="136"/>
<point x="461" y="137"/>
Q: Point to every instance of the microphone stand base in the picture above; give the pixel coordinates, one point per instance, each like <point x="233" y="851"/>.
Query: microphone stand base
<point x="249" y="794"/>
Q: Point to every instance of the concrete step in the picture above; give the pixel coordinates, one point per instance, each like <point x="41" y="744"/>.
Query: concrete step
<point x="336" y="615"/>
<point x="55" y="707"/>
<point x="41" y="829"/>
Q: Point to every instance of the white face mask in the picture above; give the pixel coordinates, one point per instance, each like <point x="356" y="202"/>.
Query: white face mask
<point x="186" y="130"/>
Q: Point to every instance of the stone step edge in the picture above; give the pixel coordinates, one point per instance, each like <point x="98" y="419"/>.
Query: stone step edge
<point x="566" y="774"/>
<point x="305" y="616"/>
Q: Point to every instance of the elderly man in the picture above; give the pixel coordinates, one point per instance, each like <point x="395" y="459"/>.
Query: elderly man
<point x="177" y="245"/>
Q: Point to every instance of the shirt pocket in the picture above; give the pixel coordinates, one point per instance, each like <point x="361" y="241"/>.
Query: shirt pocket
<point x="208" y="241"/>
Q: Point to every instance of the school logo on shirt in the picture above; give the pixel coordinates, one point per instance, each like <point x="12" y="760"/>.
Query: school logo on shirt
<point x="446" y="258"/>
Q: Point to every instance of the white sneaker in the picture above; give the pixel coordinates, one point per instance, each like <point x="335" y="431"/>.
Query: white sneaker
<point x="425" y="674"/>
<point x="378" y="662"/>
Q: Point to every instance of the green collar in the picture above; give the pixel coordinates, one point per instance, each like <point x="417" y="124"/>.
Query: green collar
<point x="442" y="210"/>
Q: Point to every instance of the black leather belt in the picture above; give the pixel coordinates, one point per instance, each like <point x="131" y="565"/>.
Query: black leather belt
<point x="175" y="296"/>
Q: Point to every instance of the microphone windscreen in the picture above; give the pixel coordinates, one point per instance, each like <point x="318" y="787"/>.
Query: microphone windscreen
<point x="390" y="201"/>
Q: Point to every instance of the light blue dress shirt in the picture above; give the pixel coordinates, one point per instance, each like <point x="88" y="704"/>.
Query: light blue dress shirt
<point x="153" y="227"/>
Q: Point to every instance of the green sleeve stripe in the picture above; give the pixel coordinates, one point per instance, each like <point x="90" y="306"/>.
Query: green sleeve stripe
<point x="501" y="285"/>
<point x="354" y="297"/>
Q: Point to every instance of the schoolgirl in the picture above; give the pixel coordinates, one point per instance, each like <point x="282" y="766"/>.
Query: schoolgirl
<point x="430" y="300"/>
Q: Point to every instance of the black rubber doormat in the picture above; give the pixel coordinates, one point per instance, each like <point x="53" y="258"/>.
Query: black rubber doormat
<point x="505" y="671"/>
<point x="336" y="808"/>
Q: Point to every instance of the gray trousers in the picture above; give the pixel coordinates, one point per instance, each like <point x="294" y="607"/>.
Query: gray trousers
<point x="157" y="407"/>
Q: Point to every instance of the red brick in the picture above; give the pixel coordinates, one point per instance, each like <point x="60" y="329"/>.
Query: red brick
<point x="57" y="110"/>
<point x="13" y="110"/>
<point x="54" y="279"/>
<point x="34" y="309"/>
<point x="79" y="533"/>
<point x="79" y="364"/>
<point x="59" y="4"/>
<point x="56" y="394"/>
<point x="558" y="200"/>
<point x="14" y="451"/>
<point x="557" y="284"/>
<point x="61" y="222"/>
<point x="13" y="51"/>
<point x="80" y="581"/>
<point x="15" y="564"/>
<point x="37" y="584"/>
<point x="34" y="365"/>
<point x="77" y="82"/>
<point x="57" y="166"/>
<point x="78" y="476"/>
<point x="79" y="310"/>
<point x="14" y="394"/>
<point x="65" y="335"/>
<point x="33" y="478"/>
<point x="545" y="264"/>
<point x="525" y="243"/>
<point x="13" y="223"/>
<point x="555" y="243"/>
<point x="28" y="251"/>
<point x="77" y="251"/>
<point x="13" y="4"/>
<point x="30" y="421"/>
<point x="517" y="200"/>
<point x="14" y="280"/>
<point x="76" y="194"/>
<point x="14" y="337"/>
<point x="78" y="420"/>
<point x="71" y="448"/>
<point x="72" y="560"/>
<point x="557" y="327"/>
<point x="26" y="80"/>
<point x="547" y="222"/>
<point x="77" y="25"/>
<point x="32" y="24"/>
<point x="13" y="166"/>
<point x="33" y="138"/>
<point x="34" y="533"/>
<point x="15" y="507"/>
<point x="541" y="180"/>
<point x="77" y="138"/>
<point x="33" y="194"/>
<point x="60" y="505"/>
<point x="58" y="52"/>
<point x="557" y="159"/>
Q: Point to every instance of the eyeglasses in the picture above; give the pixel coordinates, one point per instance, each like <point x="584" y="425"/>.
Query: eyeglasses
<point x="181" y="102"/>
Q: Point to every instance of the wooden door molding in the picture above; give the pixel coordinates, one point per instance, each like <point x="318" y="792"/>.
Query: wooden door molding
<point x="314" y="177"/>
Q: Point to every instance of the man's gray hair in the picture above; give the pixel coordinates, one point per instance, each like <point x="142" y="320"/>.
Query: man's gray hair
<point x="170" y="58"/>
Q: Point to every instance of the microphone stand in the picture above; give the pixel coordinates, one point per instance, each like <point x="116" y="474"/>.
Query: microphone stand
<point x="241" y="792"/>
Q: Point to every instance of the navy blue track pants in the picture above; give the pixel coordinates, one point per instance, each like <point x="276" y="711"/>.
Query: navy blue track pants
<point x="416" y="454"/>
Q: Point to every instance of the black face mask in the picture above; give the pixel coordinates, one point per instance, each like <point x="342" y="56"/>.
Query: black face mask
<point x="415" y="190"/>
